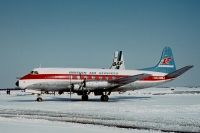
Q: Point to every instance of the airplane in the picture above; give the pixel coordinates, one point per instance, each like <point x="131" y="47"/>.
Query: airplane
<point x="103" y="82"/>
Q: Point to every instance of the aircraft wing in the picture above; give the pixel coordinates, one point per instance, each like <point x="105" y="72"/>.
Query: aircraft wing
<point x="129" y="79"/>
<point x="178" y="72"/>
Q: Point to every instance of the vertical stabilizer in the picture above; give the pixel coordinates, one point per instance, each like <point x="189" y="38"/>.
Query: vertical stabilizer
<point x="166" y="63"/>
<point x="118" y="61"/>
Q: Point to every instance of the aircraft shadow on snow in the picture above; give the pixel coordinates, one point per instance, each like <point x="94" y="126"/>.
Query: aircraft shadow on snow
<point x="112" y="99"/>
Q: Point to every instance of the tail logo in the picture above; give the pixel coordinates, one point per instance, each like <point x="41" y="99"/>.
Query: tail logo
<point x="165" y="61"/>
<point x="117" y="63"/>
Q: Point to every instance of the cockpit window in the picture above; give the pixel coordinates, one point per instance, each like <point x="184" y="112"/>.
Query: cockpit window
<point x="34" y="72"/>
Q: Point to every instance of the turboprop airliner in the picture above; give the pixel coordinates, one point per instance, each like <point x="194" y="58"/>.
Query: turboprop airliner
<point x="103" y="82"/>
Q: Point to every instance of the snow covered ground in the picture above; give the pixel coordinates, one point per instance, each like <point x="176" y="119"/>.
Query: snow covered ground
<point x="148" y="110"/>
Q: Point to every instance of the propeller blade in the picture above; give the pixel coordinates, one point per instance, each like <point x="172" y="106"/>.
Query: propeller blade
<point x="70" y="94"/>
<point x="72" y="87"/>
<point x="84" y="82"/>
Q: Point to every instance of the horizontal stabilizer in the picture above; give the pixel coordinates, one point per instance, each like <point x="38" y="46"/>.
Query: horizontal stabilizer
<point x="127" y="80"/>
<point x="178" y="72"/>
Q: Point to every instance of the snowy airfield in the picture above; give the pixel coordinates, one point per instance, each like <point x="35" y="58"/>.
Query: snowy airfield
<point x="148" y="110"/>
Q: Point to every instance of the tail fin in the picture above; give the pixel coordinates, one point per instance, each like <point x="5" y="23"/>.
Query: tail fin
<point x="118" y="61"/>
<point x="166" y="63"/>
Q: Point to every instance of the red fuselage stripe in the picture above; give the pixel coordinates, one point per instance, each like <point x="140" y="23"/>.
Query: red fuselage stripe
<point x="88" y="77"/>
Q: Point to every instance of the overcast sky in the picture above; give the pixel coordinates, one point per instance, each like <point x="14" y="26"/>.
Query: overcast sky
<point x="85" y="33"/>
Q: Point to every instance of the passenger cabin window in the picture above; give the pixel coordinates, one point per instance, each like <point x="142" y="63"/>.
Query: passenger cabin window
<point x="113" y="78"/>
<point x="78" y="77"/>
<point x="34" y="72"/>
<point x="93" y="77"/>
<point x="100" y="77"/>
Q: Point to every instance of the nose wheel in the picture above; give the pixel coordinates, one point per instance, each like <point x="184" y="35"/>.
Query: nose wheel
<point x="39" y="99"/>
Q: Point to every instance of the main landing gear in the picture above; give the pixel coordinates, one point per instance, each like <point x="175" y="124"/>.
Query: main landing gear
<point x="104" y="98"/>
<point x="84" y="97"/>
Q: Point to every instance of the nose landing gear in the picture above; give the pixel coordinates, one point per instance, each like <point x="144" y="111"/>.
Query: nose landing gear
<point x="39" y="98"/>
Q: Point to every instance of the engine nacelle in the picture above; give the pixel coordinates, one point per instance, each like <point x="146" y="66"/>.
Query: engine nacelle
<point x="97" y="84"/>
<point x="76" y="87"/>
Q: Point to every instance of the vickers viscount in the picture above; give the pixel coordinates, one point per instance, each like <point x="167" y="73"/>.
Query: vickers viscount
<point x="85" y="81"/>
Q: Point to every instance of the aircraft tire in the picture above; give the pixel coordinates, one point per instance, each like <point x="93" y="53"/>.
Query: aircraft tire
<point x="84" y="97"/>
<point x="39" y="99"/>
<point x="104" y="98"/>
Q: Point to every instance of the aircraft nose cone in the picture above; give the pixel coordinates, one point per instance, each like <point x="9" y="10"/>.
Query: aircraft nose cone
<point x="17" y="83"/>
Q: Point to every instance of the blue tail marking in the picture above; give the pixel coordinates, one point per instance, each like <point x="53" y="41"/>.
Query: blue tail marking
<point x="166" y="63"/>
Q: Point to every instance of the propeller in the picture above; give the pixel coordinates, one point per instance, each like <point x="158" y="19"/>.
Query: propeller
<point x="71" y="88"/>
<point x="83" y="84"/>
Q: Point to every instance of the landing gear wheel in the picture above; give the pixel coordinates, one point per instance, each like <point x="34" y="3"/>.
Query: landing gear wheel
<point x="39" y="99"/>
<point x="84" y="97"/>
<point x="104" y="98"/>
